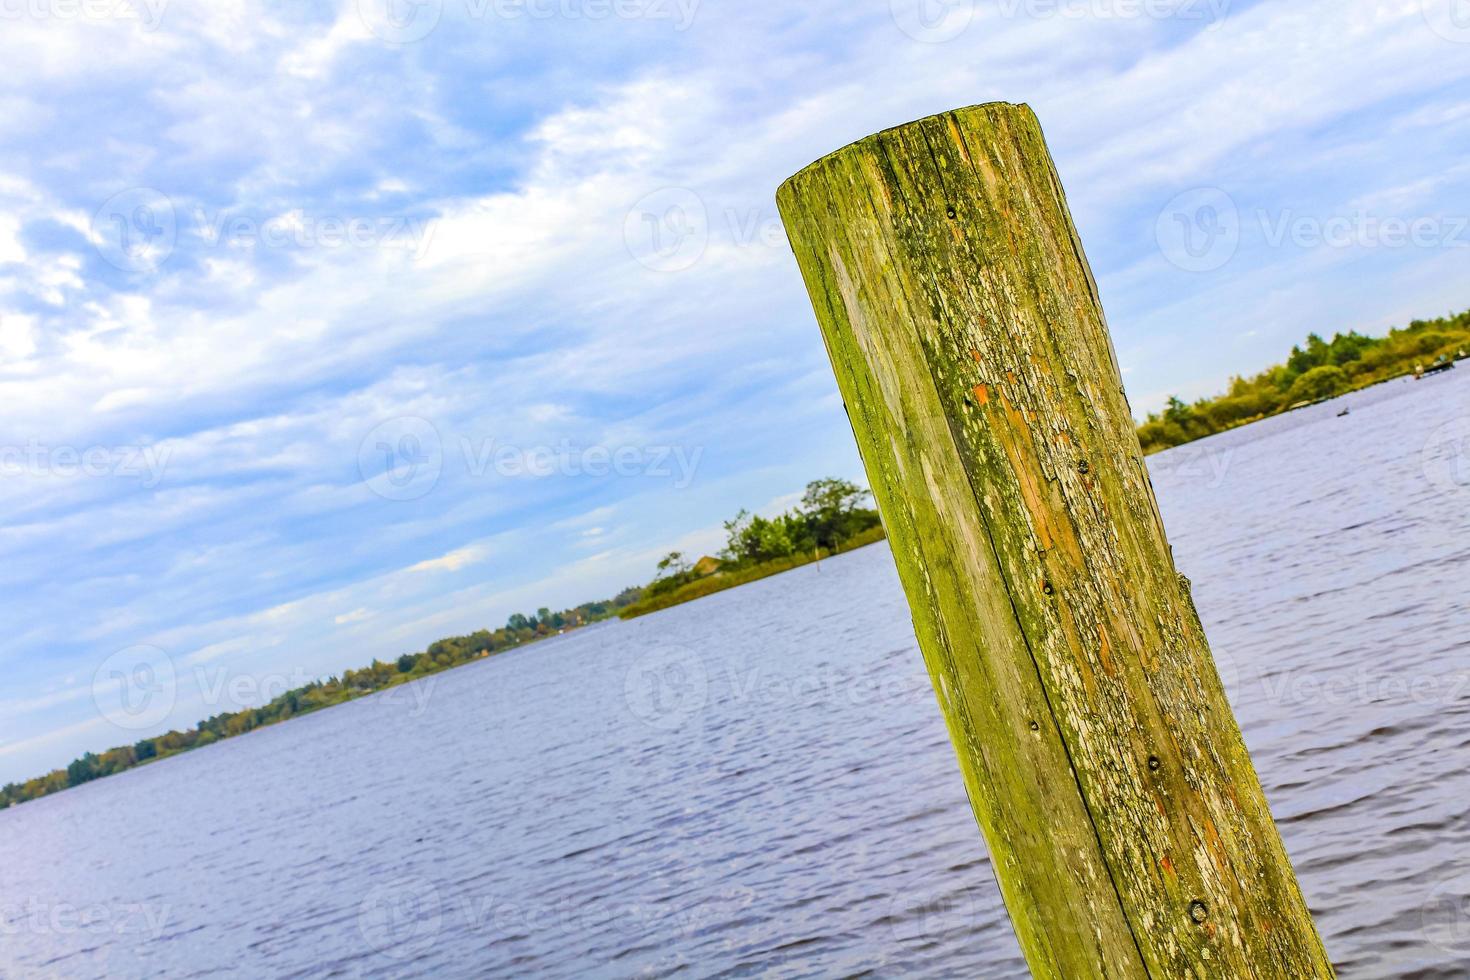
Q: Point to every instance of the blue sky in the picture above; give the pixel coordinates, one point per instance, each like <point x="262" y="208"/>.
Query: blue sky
<point x="327" y="329"/>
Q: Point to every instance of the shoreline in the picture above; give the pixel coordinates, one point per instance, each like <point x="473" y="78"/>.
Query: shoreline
<point x="1320" y="372"/>
<point x="1407" y="376"/>
<point x="723" y="582"/>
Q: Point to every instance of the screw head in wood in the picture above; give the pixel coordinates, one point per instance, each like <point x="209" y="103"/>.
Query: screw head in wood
<point x="1154" y="764"/>
<point x="1083" y="467"/>
<point x="951" y="213"/>
<point x="1198" y="911"/>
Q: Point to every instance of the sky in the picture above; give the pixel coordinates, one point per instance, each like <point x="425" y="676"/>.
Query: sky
<point x="330" y="329"/>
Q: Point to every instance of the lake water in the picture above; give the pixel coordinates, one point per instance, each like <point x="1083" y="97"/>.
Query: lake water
<point x="759" y="782"/>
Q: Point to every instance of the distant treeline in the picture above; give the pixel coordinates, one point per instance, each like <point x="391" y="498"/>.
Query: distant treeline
<point x="830" y="518"/>
<point x="518" y="631"/>
<point x="1321" y="369"/>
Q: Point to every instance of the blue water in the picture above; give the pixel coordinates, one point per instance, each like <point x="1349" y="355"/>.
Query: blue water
<point x="759" y="782"/>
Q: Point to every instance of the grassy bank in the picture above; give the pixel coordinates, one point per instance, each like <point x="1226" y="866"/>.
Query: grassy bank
<point x="720" y="581"/>
<point x="1318" y="370"/>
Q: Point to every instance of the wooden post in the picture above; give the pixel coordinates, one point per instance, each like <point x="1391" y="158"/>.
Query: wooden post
<point x="1128" y="831"/>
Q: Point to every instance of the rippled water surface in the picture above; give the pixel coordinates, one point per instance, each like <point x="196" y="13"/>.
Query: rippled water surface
<point x="759" y="782"/>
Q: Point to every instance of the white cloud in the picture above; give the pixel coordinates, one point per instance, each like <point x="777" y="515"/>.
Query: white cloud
<point x="17" y="337"/>
<point x="452" y="562"/>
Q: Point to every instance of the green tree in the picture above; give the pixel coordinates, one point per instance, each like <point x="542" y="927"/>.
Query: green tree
<point x="1316" y="355"/>
<point x="82" y="770"/>
<point x="674" y="563"/>
<point x="751" y="538"/>
<point x="832" y="509"/>
<point x="1319" y="382"/>
<point x="1349" y="347"/>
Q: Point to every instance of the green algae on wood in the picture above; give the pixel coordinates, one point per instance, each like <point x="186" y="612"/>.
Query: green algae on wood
<point x="1127" y="828"/>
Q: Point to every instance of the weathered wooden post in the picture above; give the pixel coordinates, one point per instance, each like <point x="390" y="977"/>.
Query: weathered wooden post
<point x="1127" y="827"/>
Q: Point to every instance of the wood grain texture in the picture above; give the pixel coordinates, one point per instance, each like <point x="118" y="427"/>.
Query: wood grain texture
<point x="1128" y="830"/>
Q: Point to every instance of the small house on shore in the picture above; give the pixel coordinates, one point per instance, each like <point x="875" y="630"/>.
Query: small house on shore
<point x="706" y="566"/>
